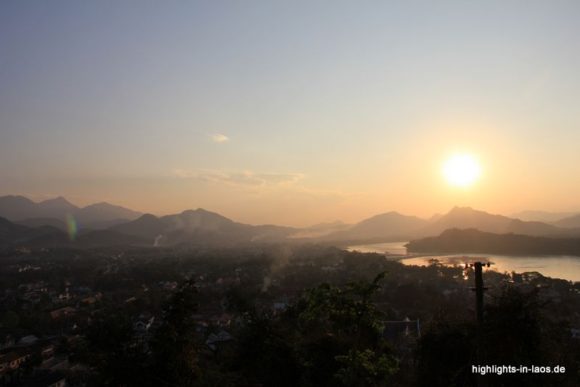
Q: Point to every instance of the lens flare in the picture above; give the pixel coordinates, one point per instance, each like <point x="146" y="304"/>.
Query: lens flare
<point x="71" y="227"/>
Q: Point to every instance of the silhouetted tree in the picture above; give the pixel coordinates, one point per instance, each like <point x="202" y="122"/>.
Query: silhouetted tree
<point x="515" y="332"/>
<point x="174" y="347"/>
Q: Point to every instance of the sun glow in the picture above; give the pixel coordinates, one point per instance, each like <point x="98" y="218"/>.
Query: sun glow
<point x="461" y="170"/>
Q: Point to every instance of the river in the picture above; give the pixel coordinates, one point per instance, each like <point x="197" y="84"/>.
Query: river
<point x="555" y="266"/>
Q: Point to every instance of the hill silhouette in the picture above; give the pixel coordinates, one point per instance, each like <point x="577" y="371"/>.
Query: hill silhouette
<point x="52" y="211"/>
<point x="16" y="235"/>
<point x="473" y="241"/>
<point x="467" y="217"/>
<point x="569" y="222"/>
<point x="393" y="226"/>
<point x="39" y="222"/>
<point x="199" y="226"/>
<point x="542" y="216"/>
<point x="388" y="226"/>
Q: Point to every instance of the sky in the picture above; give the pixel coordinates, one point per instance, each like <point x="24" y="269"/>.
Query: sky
<point x="291" y="112"/>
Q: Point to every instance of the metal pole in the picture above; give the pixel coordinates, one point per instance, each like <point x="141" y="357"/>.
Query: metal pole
<point x="479" y="291"/>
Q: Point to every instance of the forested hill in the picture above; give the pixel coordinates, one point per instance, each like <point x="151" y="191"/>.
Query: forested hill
<point x="475" y="241"/>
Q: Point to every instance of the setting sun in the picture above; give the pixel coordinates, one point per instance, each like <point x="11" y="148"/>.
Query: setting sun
<point x="461" y="170"/>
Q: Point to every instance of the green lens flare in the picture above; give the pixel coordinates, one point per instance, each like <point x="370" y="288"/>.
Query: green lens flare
<point x="71" y="227"/>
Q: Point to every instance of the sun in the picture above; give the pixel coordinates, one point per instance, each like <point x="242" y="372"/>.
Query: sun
<point x="461" y="170"/>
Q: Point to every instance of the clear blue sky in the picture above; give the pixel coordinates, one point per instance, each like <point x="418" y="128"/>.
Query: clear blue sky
<point x="290" y="111"/>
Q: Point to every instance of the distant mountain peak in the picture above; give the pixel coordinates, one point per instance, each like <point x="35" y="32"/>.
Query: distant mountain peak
<point x="57" y="202"/>
<point x="202" y="212"/>
<point x="457" y="211"/>
<point x="105" y="205"/>
<point x="19" y="208"/>
<point x="543" y="216"/>
<point x="60" y="199"/>
<point x="470" y="213"/>
<point x="469" y="218"/>
<point x="99" y="204"/>
<point x="199" y="210"/>
<point x="16" y="207"/>
<point x="103" y="213"/>
<point x="569" y="222"/>
<point x="147" y="217"/>
<point x="383" y="227"/>
<point x="390" y="214"/>
<point x="464" y="209"/>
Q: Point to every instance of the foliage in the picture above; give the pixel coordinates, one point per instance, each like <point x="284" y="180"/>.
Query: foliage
<point x="174" y="346"/>
<point x="365" y="368"/>
<point x="331" y="334"/>
<point x="515" y="332"/>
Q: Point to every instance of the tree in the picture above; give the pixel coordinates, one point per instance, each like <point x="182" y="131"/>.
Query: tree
<point x="445" y="354"/>
<point x="174" y="346"/>
<point x="339" y="336"/>
<point x="515" y="332"/>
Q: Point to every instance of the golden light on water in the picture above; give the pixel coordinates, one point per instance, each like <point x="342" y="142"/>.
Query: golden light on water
<point x="461" y="170"/>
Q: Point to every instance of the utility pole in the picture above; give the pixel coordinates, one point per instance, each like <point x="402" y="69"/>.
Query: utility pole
<point x="479" y="291"/>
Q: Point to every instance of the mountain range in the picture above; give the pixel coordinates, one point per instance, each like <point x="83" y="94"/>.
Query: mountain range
<point x="471" y="241"/>
<point x="16" y="235"/>
<point x="54" y="212"/>
<point x="391" y="226"/>
<point x="104" y="224"/>
<point x="467" y="218"/>
<point x="569" y="222"/>
<point x="199" y="226"/>
<point x="542" y="216"/>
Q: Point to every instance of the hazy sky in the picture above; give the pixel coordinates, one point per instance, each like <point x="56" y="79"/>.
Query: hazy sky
<point x="291" y="112"/>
